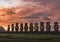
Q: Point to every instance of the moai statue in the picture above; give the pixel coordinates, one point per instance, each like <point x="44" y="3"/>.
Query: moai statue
<point x="56" y="26"/>
<point x="8" y="28"/>
<point x="12" y="27"/>
<point x="21" y="27"/>
<point x="16" y="27"/>
<point x="42" y="26"/>
<point x="36" y="27"/>
<point x="26" y="27"/>
<point x="31" y="27"/>
<point x="48" y="26"/>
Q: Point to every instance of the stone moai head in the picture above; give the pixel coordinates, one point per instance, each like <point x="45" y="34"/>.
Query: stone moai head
<point x="41" y="23"/>
<point x="16" y="24"/>
<point x="8" y="28"/>
<point x="48" y="27"/>
<point x="21" y="27"/>
<point x="36" y="26"/>
<point x="26" y="27"/>
<point x="21" y="24"/>
<point x="41" y="26"/>
<point x="56" y="26"/>
<point x="31" y="26"/>
<point x="55" y="23"/>
<point x="16" y="27"/>
<point x="47" y="23"/>
<point x="26" y="24"/>
<point x="12" y="27"/>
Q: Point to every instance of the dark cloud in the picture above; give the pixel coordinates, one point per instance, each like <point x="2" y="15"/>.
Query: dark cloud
<point x="10" y="12"/>
<point x="32" y="16"/>
<point x="47" y="18"/>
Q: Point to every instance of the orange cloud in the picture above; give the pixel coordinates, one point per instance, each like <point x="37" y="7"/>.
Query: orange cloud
<point x="28" y="11"/>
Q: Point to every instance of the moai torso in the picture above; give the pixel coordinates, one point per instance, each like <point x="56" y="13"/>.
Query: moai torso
<point x="12" y="27"/>
<point x="41" y="26"/>
<point x="36" y="27"/>
<point x="48" y="26"/>
<point x="8" y="28"/>
<point x="31" y="27"/>
<point x="17" y="27"/>
<point x="26" y="27"/>
<point x="56" y="26"/>
<point x="21" y="27"/>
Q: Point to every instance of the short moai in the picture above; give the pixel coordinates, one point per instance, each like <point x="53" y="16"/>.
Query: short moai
<point x="36" y="27"/>
<point x="16" y="27"/>
<point x="31" y="27"/>
<point x="21" y="27"/>
<point x="42" y="26"/>
<point x="56" y="26"/>
<point x="12" y="27"/>
<point x="8" y="28"/>
<point x="26" y="27"/>
<point x="48" y="26"/>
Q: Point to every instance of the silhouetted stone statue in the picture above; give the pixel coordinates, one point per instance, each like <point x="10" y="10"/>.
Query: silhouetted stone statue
<point x="26" y="27"/>
<point x="56" y="26"/>
<point x="8" y="28"/>
<point x="48" y="26"/>
<point x="16" y="27"/>
<point x="36" y="27"/>
<point x="21" y="27"/>
<point x="12" y="27"/>
<point x="31" y="27"/>
<point x="41" y="26"/>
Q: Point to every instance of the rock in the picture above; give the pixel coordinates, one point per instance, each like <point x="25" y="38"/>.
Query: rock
<point x="2" y="29"/>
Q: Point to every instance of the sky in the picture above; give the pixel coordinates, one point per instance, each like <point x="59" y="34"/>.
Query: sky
<point x="21" y="11"/>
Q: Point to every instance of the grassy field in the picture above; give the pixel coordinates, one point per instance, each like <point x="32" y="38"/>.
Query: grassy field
<point x="29" y="37"/>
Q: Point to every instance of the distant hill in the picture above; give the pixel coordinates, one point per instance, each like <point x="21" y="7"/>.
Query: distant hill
<point x="2" y="29"/>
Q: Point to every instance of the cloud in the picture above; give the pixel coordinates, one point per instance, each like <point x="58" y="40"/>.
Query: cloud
<point x="28" y="10"/>
<point x="33" y="16"/>
<point x="10" y="12"/>
<point x="47" y="18"/>
<point x="9" y="3"/>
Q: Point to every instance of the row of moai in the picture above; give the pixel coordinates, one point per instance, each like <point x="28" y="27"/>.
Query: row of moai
<point x="35" y="27"/>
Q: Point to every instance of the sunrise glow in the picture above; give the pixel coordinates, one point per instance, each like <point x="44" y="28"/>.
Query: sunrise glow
<point x="12" y="11"/>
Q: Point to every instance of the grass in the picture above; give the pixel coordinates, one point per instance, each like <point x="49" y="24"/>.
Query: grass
<point x="29" y="37"/>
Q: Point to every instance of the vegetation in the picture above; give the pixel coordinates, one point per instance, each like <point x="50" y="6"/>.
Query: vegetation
<point x="29" y="37"/>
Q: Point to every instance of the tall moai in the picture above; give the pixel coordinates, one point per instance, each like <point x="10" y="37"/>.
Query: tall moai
<point x="12" y="27"/>
<point x="21" y="27"/>
<point x="42" y="26"/>
<point x="8" y="28"/>
<point x="26" y="27"/>
<point x="31" y="27"/>
<point x="56" y="26"/>
<point x="16" y="27"/>
<point x="36" y="27"/>
<point x="48" y="26"/>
